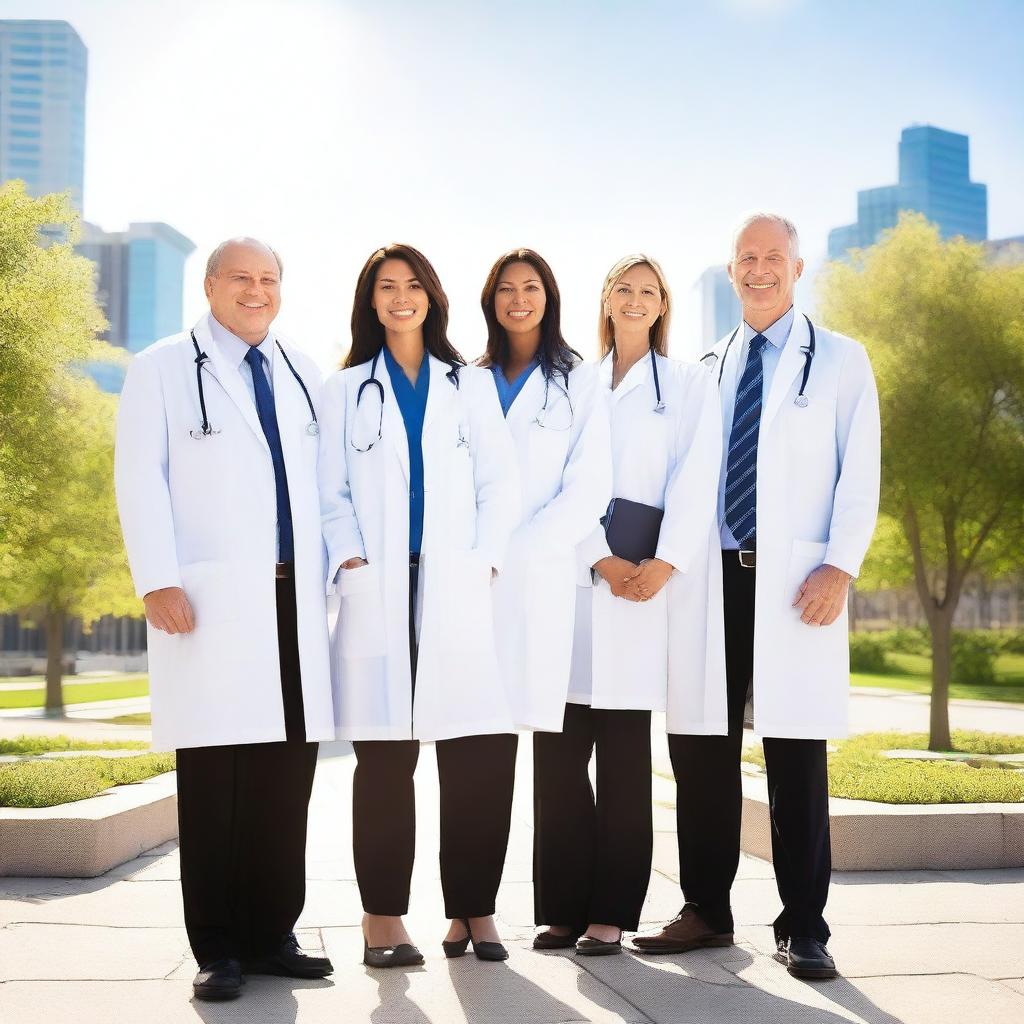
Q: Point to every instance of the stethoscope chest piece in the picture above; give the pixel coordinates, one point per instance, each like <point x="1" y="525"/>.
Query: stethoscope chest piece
<point x="800" y="401"/>
<point x="200" y="434"/>
<point x="313" y="430"/>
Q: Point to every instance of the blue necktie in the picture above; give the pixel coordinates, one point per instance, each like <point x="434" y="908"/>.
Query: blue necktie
<point x="741" y="467"/>
<point x="268" y="420"/>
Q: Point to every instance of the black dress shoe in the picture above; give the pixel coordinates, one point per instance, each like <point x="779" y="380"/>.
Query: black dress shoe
<point x="588" y="946"/>
<point x="288" y="961"/>
<point x="405" y="954"/>
<point x="493" y="951"/>
<point x="805" y="958"/>
<point x="548" y="940"/>
<point x="218" y="979"/>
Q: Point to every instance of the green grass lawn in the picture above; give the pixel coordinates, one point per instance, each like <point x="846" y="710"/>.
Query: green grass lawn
<point x="856" y="770"/>
<point x="79" y="693"/>
<point x="913" y="675"/>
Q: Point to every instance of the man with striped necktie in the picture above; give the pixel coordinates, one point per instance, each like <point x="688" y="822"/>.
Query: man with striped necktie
<point x="798" y="498"/>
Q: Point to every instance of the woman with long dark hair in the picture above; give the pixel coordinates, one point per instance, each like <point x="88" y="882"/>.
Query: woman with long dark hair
<point x="559" y="422"/>
<point x="640" y="619"/>
<point x="419" y="498"/>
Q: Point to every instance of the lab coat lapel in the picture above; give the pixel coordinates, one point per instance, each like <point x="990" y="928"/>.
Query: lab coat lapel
<point x="230" y="379"/>
<point x="394" y="426"/>
<point x="530" y="399"/>
<point x="639" y="373"/>
<point x="791" y="363"/>
<point x="442" y="391"/>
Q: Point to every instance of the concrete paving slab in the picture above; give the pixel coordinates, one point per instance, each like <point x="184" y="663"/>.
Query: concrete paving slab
<point x="1017" y="984"/>
<point x="529" y="986"/>
<point x="155" y="904"/>
<point x="949" y="999"/>
<point x="990" y="951"/>
<point x="35" y="952"/>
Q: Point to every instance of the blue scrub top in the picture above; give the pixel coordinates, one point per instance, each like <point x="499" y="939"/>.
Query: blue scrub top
<point x="412" y="403"/>
<point x="507" y="392"/>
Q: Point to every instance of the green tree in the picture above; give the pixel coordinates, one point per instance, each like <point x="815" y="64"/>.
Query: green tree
<point x="68" y="559"/>
<point x="48" y="318"/>
<point x="945" y="332"/>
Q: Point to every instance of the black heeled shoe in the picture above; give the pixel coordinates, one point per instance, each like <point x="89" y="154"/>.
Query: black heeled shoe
<point x="405" y="954"/>
<point x="493" y="951"/>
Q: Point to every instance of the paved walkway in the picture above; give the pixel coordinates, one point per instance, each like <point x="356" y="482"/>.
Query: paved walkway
<point x="923" y="947"/>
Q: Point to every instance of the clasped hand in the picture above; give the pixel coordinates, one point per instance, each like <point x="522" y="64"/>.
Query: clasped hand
<point x="634" y="582"/>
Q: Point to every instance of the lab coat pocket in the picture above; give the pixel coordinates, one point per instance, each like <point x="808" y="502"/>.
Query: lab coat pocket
<point x="361" y="613"/>
<point x="813" y="428"/>
<point x="467" y="624"/>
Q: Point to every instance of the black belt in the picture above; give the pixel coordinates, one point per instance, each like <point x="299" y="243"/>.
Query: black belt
<point x="284" y="570"/>
<point x="746" y="557"/>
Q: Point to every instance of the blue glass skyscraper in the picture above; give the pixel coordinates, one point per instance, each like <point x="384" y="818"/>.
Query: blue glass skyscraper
<point x="934" y="180"/>
<point x="42" y="106"/>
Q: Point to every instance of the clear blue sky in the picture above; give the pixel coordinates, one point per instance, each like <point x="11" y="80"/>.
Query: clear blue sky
<point x="584" y="129"/>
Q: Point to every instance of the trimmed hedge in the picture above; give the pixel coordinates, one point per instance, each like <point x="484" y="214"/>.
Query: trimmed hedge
<point x="857" y="771"/>
<point x="48" y="783"/>
<point x="32" y="745"/>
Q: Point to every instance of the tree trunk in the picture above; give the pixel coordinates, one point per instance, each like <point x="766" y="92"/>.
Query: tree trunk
<point x="941" y="624"/>
<point x="54" y="659"/>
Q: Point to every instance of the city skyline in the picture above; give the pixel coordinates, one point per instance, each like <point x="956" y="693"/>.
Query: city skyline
<point x="585" y="131"/>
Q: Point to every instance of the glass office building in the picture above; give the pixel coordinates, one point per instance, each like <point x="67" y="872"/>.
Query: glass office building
<point x="934" y="179"/>
<point x="719" y="306"/>
<point x="140" y="279"/>
<point x="42" y="106"/>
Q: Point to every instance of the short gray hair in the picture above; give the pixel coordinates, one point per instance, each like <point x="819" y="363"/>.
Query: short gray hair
<point x="773" y="218"/>
<point x="213" y="263"/>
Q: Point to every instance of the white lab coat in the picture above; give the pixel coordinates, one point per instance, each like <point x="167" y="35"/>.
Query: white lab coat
<point x="668" y="652"/>
<point x="817" y="500"/>
<point x="201" y="514"/>
<point x="566" y="478"/>
<point x="472" y="504"/>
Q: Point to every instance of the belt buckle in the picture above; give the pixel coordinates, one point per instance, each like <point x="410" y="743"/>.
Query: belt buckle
<point x="745" y="553"/>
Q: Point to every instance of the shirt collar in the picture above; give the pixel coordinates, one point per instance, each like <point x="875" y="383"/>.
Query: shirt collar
<point x="777" y="334"/>
<point x="530" y="367"/>
<point x="234" y="348"/>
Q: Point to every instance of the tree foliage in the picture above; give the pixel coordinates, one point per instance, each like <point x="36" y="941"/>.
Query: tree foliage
<point x="945" y="332"/>
<point x="48" y="318"/>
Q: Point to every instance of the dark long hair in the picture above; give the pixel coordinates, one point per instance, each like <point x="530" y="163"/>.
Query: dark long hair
<point x="553" y="352"/>
<point x="368" y="331"/>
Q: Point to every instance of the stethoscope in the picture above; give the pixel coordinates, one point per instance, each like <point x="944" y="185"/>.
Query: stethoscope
<point x="372" y="381"/>
<point x="659" y="406"/>
<point x="808" y="350"/>
<point x="312" y="428"/>
<point x="541" y="416"/>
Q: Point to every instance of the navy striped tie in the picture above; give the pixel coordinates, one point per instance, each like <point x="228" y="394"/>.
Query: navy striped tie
<point x="268" y="420"/>
<point x="741" y="467"/>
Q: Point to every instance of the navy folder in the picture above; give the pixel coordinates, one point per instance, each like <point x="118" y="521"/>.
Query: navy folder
<point x="631" y="529"/>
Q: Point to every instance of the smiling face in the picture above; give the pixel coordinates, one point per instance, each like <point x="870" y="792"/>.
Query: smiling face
<point x="764" y="271"/>
<point x="245" y="291"/>
<point x="635" y="301"/>
<point x="399" y="298"/>
<point x="520" y="299"/>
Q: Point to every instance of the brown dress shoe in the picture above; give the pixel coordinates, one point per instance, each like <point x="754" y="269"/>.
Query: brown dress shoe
<point x="687" y="931"/>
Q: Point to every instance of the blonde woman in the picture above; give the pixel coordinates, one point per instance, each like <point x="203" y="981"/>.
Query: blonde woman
<point x="645" y="620"/>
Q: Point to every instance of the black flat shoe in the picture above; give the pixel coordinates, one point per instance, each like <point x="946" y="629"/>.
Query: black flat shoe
<point x="218" y="980"/>
<point x="548" y="940"/>
<point x="493" y="951"/>
<point x="587" y="946"/>
<point x="289" y="961"/>
<point x="405" y="954"/>
<point x="805" y="958"/>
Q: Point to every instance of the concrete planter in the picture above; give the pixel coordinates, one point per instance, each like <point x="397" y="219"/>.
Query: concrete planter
<point x="89" y="837"/>
<point x="888" y="837"/>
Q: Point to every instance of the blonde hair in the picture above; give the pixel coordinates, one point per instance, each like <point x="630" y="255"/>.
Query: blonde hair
<point x="658" y="336"/>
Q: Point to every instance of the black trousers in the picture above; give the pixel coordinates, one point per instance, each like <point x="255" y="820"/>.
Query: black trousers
<point x="709" y="795"/>
<point x="592" y="857"/>
<point x="242" y="825"/>
<point x="476" y="776"/>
